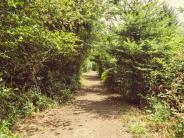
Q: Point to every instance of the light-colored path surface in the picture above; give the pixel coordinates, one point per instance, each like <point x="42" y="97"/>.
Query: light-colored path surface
<point x="95" y="113"/>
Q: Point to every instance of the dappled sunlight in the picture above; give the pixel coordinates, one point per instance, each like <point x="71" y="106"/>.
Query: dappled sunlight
<point x="95" y="110"/>
<point x="91" y="68"/>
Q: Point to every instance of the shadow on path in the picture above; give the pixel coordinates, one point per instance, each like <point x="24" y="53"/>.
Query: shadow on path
<point x="94" y="113"/>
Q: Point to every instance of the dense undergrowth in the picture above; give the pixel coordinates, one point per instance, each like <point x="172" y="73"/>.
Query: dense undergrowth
<point x="137" y="48"/>
<point x="43" y="44"/>
<point x="141" y="56"/>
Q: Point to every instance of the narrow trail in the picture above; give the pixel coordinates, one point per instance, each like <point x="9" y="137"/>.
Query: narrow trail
<point x="95" y="113"/>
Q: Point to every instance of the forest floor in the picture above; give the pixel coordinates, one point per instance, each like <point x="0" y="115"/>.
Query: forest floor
<point x="94" y="113"/>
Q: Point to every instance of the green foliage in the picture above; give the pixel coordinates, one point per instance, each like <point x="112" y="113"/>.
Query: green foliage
<point x="105" y="75"/>
<point x="5" y="132"/>
<point x="88" y="65"/>
<point x="145" y="42"/>
<point x="103" y="59"/>
<point x="43" y="44"/>
<point x="109" y="77"/>
<point x="180" y="129"/>
<point x="39" y="101"/>
<point x="138" y="130"/>
<point x="160" y="112"/>
<point x="136" y="47"/>
<point x="15" y="105"/>
<point x="50" y="39"/>
<point x="146" y="46"/>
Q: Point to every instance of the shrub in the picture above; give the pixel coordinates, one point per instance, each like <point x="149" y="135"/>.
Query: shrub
<point x="109" y="77"/>
<point x="14" y="105"/>
<point x="146" y="43"/>
<point x="43" y="45"/>
<point x="5" y="132"/>
<point x="138" y="130"/>
<point x="160" y="111"/>
<point x="179" y="129"/>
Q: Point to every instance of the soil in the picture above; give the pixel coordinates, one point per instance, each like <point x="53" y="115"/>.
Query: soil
<point x="94" y="113"/>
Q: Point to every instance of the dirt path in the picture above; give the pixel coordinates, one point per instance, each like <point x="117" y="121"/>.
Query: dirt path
<point x="95" y="113"/>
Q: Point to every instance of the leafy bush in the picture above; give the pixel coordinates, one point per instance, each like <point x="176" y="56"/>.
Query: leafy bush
<point x="147" y="49"/>
<point x="138" y="130"/>
<point x="88" y="65"/>
<point x="179" y="133"/>
<point x="146" y="45"/>
<point x="39" y="101"/>
<point x="160" y="112"/>
<point x="43" y="45"/>
<point x="109" y="77"/>
<point x="14" y="105"/>
<point x="5" y="132"/>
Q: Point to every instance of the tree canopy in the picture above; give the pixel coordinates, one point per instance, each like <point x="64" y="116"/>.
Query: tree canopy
<point x="136" y="45"/>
